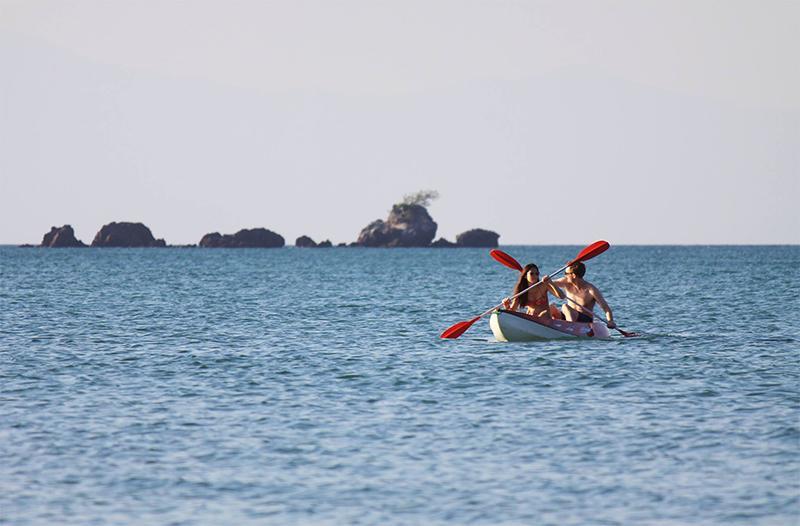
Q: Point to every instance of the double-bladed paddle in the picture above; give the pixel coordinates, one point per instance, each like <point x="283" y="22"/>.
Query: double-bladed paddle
<point x="512" y="263"/>
<point x="595" y="249"/>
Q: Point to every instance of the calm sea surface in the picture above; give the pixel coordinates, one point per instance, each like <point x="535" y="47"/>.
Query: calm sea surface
<point x="291" y="386"/>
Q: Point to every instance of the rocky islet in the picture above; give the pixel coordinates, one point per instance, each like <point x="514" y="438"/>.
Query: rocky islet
<point x="61" y="237"/>
<point x="245" y="238"/>
<point x="126" y="235"/>
<point x="307" y="242"/>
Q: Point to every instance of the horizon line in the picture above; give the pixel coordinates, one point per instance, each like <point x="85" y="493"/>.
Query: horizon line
<point x="194" y="245"/>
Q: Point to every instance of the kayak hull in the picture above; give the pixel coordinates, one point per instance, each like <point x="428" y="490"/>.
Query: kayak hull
<point x="510" y="326"/>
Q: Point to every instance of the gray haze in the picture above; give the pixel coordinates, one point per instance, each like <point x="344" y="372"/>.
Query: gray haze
<point x="548" y="122"/>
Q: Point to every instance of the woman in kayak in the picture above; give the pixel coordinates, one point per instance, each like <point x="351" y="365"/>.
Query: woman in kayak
<point x="535" y="300"/>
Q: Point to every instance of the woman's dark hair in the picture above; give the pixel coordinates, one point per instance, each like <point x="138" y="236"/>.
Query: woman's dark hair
<point x="523" y="283"/>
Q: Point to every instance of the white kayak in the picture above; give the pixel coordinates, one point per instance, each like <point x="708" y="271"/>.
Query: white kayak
<point x="509" y="326"/>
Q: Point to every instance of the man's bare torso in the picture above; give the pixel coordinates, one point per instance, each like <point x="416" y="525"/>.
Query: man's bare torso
<point x="580" y="292"/>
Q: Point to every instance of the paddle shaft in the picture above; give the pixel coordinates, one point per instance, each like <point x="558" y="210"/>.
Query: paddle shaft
<point x="586" y="310"/>
<point x="520" y="293"/>
<point x="591" y="313"/>
<point x="583" y="308"/>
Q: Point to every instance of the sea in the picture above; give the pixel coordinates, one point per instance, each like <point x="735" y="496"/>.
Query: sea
<point x="187" y="386"/>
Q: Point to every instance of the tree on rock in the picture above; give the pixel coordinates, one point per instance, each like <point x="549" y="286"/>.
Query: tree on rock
<point x="422" y="198"/>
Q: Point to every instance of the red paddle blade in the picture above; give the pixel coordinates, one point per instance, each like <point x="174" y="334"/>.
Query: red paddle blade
<point x="458" y="329"/>
<point x="505" y="259"/>
<point x="628" y="334"/>
<point x="595" y="249"/>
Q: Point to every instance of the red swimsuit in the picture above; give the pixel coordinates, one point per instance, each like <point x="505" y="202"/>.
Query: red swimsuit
<point x="541" y="302"/>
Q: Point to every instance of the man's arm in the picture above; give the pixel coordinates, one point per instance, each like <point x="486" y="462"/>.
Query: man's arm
<point x="601" y="301"/>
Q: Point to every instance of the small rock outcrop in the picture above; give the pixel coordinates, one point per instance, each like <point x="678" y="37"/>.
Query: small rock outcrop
<point x="305" y="242"/>
<point x="245" y="238"/>
<point x="477" y="238"/>
<point x="443" y="243"/>
<point x="126" y="235"/>
<point x="408" y="225"/>
<point x="61" y="237"/>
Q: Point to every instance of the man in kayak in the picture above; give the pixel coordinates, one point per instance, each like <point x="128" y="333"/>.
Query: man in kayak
<point x="581" y="292"/>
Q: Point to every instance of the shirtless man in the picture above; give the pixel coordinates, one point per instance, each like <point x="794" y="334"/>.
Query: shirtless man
<point x="580" y="291"/>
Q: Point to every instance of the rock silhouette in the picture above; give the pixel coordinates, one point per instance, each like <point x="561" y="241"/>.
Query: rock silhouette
<point x="443" y="243"/>
<point x="61" y="237"/>
<point x="126" y="235"/>
<point x="305" y="242"/>
<point x="477" y="238"/>
<point x="245" y="238"/>
<point x="408" y="225"/>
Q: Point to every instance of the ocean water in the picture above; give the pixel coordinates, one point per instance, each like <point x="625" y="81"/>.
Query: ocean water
<point x="291" y="386"/>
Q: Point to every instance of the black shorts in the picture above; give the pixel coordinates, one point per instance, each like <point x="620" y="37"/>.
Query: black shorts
<point x="583" y="318"/>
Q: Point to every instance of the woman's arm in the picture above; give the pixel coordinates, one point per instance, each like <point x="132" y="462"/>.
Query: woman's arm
<point x="511" y="305"/>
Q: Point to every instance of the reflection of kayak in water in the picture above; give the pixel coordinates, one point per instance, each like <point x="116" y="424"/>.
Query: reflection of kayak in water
<point x="509" y="326"/>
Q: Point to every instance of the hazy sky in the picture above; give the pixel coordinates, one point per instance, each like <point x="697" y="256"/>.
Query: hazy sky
<point x="546" y="121"/>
